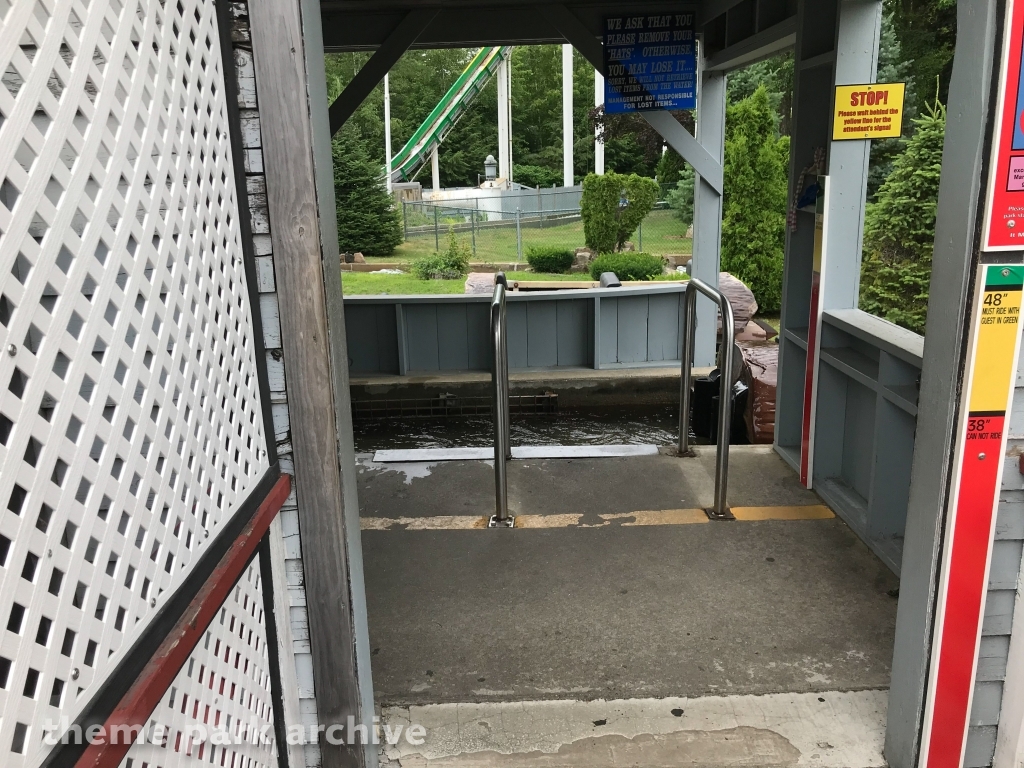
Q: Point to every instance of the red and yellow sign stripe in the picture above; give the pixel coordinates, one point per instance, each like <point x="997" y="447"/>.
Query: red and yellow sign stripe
<point x="970" y="528"/>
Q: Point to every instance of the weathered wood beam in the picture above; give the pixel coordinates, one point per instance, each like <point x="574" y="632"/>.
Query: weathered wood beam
<point x="380" y="64"/>
<point x="287" y="135"/>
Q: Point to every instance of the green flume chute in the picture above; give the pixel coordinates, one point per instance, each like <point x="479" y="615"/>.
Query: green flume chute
<point x="481" y="68"/>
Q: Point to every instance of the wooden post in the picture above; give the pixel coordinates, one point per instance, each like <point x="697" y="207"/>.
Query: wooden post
<point x="287" y="133"/>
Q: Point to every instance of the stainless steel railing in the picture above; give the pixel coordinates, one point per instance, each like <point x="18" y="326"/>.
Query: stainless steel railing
<point x="500" y="394"/>
<point x="720" y="511"/>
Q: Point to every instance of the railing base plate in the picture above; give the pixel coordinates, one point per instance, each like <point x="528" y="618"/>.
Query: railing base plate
<point x="508" y="522"/>
<point x="713" y="515"/>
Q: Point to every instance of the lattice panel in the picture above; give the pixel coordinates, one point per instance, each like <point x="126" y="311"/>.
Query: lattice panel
<point x="130" y="419"/>
<point x="224" y="688"/>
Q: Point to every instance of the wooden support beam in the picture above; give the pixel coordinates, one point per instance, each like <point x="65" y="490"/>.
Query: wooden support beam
<point x="287" y="132"/>
<point x="675" y="135"/>
<point x="380" y="64"/>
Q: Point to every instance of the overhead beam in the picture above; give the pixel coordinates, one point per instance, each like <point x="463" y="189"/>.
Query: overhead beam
<point x="675" y="135"/>
<point x="712" y="9"/>
<point x="758" y="46"/>
<point x="351" y="26"/>
<point x="380" y="64"/>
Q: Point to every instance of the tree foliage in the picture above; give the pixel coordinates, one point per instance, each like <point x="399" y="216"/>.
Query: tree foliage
<point x="899" y="229"/>
<point x="926" y="30"/>
<point x="612" y="206"/>
<point x="367" y="219"/>
<point x="680" y="199"/>
<point x="892" y="68"/>
<point x="754" y="202"/>
<point x="775" y="75"/>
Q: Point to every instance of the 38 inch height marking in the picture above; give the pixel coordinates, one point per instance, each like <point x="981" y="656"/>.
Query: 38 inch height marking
<point x="967" y="551"/>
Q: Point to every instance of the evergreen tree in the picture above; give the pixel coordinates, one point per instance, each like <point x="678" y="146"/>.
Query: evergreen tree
<point x="892" y="68"/>
<point x="899" y="230"/>
<point x="754" y="203"/>
<point x="680" y="199"/>
<point x="927" y="34"/>
<point x="367" y="219"/>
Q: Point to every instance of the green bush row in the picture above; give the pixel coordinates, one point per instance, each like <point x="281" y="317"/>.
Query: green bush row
<point x="627" y="266"/>
<point x="550" y="258"/>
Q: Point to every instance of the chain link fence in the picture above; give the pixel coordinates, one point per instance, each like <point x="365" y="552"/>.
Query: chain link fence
<point x="504" y="230"/>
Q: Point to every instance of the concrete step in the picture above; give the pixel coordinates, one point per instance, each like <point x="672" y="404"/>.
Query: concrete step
<point x="826" y="730"/>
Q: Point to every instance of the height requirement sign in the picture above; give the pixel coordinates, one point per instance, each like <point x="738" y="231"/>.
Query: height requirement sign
<point x="1004" y="215"/>
<point x="649" y="63"/>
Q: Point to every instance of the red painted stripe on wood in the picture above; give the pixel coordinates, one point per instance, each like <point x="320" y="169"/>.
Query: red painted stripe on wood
<point x="968" y="566"/>
<point x="142" y="698"/>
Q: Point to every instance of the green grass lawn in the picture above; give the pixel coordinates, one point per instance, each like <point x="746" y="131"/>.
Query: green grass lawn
<point x="662" y="233"/>
<point x="368" y="283"/>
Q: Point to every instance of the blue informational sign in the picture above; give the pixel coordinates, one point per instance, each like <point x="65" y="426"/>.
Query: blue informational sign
<point x="650" y="62"/>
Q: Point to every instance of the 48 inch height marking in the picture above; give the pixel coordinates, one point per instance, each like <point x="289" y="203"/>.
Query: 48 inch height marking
<point x="967" y="550"/>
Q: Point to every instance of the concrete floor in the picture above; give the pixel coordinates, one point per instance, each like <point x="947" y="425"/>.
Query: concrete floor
<point x="616" y="612"/>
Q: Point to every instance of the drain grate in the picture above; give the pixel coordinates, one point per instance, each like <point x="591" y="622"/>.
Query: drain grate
<point x="449" y="405"/>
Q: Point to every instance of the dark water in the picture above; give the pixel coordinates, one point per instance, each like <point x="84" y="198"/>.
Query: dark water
<point x="632" y="426"/>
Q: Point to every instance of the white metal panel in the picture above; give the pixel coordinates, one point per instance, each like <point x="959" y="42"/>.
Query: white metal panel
<point x="131" y="419"/>
<point x="218" y="710"/>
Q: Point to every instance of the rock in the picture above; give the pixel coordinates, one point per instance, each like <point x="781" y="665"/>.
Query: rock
<point x="744" y="306"/>
<point x="481" y="283"/>
<point x="357" y="258"/>
<point x="689" y="231"/>
<point x="581" y="263"/>
<point x="627" y="247"/>
<point x="751" y="332"/>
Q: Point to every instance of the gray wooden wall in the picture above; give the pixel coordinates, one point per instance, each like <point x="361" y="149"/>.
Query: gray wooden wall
<point x="865" y="426"/>
<point x="598" y="328"/>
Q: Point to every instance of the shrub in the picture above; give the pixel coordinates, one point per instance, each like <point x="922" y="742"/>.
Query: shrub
<point x="754" y="203"/>
<point x="450" y="264"/>
<point x="613" y="206"/>
<point x="627" y="266"/>
<point x="549" y="258"/>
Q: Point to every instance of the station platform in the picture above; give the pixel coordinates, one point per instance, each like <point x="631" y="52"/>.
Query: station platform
<point x="615" y="587"/>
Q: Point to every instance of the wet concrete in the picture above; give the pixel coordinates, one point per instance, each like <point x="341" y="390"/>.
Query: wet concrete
<point x="616" y="612"/>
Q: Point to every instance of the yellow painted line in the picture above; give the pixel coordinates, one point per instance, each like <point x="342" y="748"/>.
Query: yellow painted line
<point x="439" y="523"/>
<point x="548" y="521"/>
<point x="661" y="517"/>
<point x="573" y="520"/>
<point x="810" y="512"/>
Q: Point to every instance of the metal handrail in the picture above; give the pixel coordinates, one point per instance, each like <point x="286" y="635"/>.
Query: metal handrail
<point x="500" y="391"/>
<point x="720" y="511"/>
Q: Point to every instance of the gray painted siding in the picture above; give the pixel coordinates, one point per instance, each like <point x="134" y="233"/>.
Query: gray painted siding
<point x="1004" y="580"/>
<point x="422" y="334"/>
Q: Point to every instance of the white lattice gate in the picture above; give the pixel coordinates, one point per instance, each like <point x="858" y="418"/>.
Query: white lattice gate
<point x="131" y="417"/>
